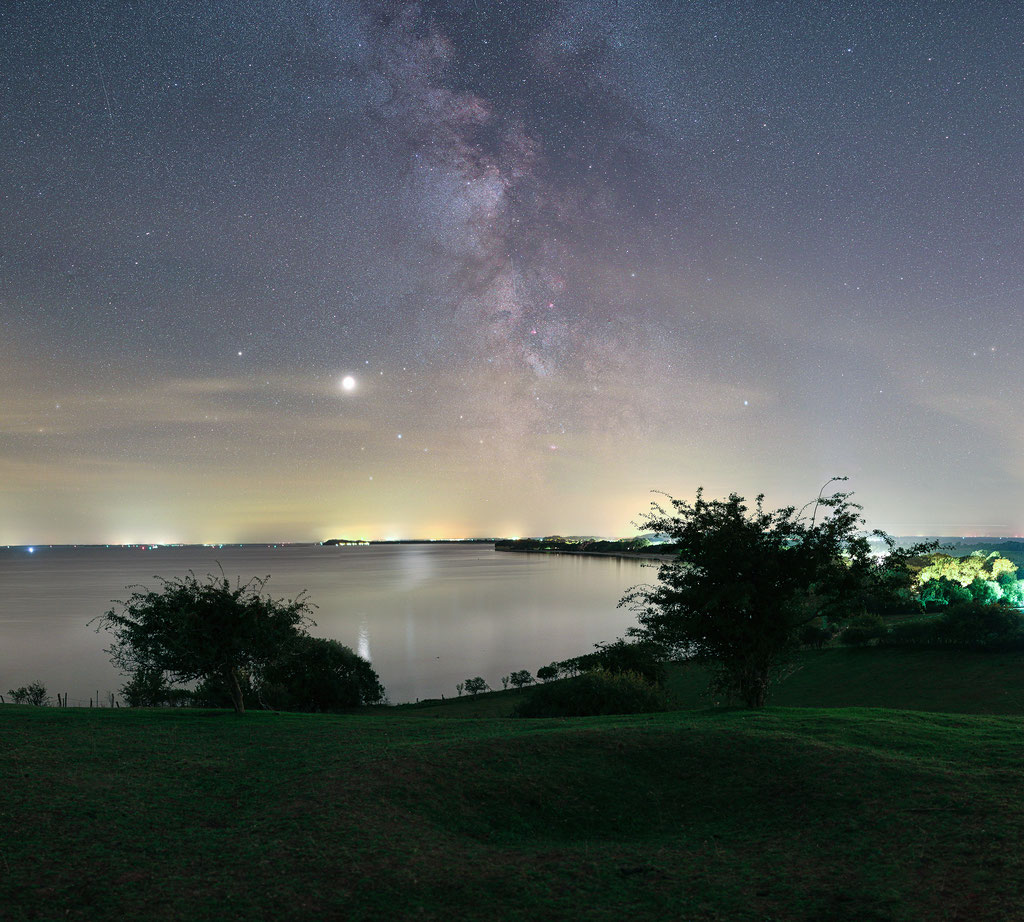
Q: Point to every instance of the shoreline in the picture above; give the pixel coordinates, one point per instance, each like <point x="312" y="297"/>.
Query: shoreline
<point x="622" y="555"/>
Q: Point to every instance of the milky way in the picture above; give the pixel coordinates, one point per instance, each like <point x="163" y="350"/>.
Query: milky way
<point x="568" y="252"/>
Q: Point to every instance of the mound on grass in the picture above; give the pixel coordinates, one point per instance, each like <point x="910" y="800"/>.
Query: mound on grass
<point x="786" y="814"/>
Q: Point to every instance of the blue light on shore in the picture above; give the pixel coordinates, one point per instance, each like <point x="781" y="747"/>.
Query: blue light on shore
<point x="31" y="550"/>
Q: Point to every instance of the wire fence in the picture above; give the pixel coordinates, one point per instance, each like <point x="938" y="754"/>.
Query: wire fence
<point x="62" y="700"/>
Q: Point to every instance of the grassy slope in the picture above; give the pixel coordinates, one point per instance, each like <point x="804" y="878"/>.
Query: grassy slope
<point x="960" y="682"/>
<point x="723" y="814"/>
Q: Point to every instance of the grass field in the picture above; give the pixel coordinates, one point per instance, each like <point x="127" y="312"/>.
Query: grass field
<point x="791" y="813"/>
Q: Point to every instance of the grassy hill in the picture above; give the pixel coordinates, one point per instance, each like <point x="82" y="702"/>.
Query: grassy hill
<point x="792" y="813"/>
<point x="962" y="682"/>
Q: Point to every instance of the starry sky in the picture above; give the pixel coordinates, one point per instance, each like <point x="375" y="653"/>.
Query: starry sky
<point x="565" y="252"/>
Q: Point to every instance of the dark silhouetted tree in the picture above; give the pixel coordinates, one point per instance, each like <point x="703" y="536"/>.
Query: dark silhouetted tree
<point x="548" y="673"/>
<point x="208" y="630"/>
<point x="476" y="685"/>
<point x="521" y="678"/>
<point x="746" y="580"/>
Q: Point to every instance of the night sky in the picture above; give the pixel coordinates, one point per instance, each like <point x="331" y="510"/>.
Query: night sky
<point x="567" y="253"/>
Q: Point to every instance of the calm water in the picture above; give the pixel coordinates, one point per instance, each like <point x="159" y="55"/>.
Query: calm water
<point x="427" y="616"/>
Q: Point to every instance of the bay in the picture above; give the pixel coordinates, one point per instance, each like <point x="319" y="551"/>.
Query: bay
<point x="426" y="615"/>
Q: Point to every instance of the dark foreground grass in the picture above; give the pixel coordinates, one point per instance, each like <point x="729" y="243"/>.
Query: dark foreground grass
<point x="788" y="814"/>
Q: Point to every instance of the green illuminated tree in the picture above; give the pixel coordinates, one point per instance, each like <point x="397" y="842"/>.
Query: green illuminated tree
<point x="1013" y="589"/>
<point x="944" y="591"/>
<point x="746" y="580"/>
<point x="965" y="570"/>
<point x="208" y="631"/>
<point x="985" y="591"/>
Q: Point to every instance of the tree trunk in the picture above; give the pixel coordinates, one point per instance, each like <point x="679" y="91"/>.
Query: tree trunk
<point x="754" y="690"/>
<point x="231" y="675"/>
<point x="758" y="695"/>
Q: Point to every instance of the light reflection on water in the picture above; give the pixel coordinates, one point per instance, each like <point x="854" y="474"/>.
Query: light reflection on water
<point x="428" y="616"/>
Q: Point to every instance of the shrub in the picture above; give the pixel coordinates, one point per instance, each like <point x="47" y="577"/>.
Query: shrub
<point x="316" y="674"/>
<point x="920" y="633"/>
<point x="968" y="625"/>
<point x="863" y="629"/>
<point x="30" y="694"/>
<point x="980" y="626"/>
<point x="814" y="635"/>
<point x="594" y="693"/>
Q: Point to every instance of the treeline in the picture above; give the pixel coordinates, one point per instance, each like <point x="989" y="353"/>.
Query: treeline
<point x="558" y="544"/>
<point x="941" y="579"/>
<point x="617" y="678"/>
<point x="643" y="659"/>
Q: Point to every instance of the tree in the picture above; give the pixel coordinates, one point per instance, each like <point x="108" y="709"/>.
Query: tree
<point x="747" y="579"/>
<point x="985" y="591"/>
<point x="476" y="685"/>
<point x="943" y="591"/>
<point x="548" y="673"/>
<point x="203" y="630"/>
<point x="1013" y="589"/>
<point x="521" y="678"/>
<point x="316" y="674"/>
